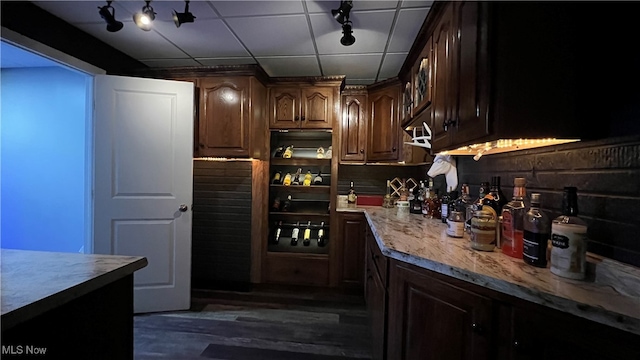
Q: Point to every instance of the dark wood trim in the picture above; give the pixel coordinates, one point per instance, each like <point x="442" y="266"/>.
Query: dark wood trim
<point x="205" y="71"/>
<point x="384" y="84"/>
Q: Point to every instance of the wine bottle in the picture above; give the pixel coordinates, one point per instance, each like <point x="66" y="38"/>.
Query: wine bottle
<point x="287" y="180"/>
<point x="277" y="178"/>
<point x="318" y="179"/>
<point x="286" y="207"/>
<point x="321" y="238"/>
<point x="288" y="152"/>
<point x="307" y="179"/>
<point x="275" y="206"/>
<point x="296" y="177"/>
<point x="352" y="197"/>
<point x="276" y="234"/>
<point x="279" y="152"/>
<point x="294" y="234"/>
<point x="306" y="238"/>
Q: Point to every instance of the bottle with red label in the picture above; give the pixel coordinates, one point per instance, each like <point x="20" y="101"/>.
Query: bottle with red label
<point x="511" y="234"/>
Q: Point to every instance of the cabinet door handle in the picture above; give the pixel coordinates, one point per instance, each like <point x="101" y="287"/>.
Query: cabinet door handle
<point x="361" y="151"/>
<point x="201" y="145"/>
<point x="303" y="118"/>
<point x="448" y="123"/>
<point x="393" y="149"/>
<point x="296" y="118"/>
<point x="477" y="328"/>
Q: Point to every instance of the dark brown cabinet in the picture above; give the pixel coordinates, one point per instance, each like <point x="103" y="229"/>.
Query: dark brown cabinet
<point x="230" y="116"/>
<point x="353" y="129"/>
<point x="383" y="136"/>
<point x="352" y="249"/>
<point x="431" y="319"/>
<point x="302" y="107"/>
<point x="376" y="295"/>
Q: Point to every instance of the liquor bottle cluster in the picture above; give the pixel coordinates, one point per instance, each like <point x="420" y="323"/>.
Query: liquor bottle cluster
<point x="296" y="232"/>
<point x="297" y="178"/>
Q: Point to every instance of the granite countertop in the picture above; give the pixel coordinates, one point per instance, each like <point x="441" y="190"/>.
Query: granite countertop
<point x="33" y="282"/>
<point x="610" y="295"/>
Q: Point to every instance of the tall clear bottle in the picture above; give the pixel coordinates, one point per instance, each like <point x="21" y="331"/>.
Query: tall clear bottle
<point x="568" y="239"/>
<point x="464" y="204"/>
<point x="352" y="197"/>
<point x="537" y="231"/>
<point x="511" y="236"/>
<point x="477" y="204"/>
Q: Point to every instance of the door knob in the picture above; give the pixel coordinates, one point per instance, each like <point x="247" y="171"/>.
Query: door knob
<point x="183" y="208"/>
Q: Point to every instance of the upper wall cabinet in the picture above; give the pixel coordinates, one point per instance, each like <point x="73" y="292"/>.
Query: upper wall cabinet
<point x="496" y="70"/>
<point x="230" y="116"/>
<point x="384" y="123"/>
<point x="353" y="136"/>
<point x="304" y="106"/>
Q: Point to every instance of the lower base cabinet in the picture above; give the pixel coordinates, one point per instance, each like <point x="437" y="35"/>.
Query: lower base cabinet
<point x="416" y="313"/>
<point x="430" y="319"/>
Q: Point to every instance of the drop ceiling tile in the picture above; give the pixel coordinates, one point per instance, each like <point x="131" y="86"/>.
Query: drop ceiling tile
<point x="291" y="66"/>
<point x="134" y="42"/>
<point x="416" y="3"/>
<point x="226" y="61"/>
<point x="252" y="8"/>
<point x="164" y="9"/>
<point x="357" y="66"/>
<point x="371" y="30"/>
<point x="274" y="35"/>
<point x="170" y="62"/>
<point x="406" y="30"/>
<point x="325" y="6"/>
<point x="203" y="38"/>
<point x="391" y="65"/>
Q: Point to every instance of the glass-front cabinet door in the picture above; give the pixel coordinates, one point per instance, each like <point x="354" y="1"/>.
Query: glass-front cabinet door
<point x="422" y="79"/>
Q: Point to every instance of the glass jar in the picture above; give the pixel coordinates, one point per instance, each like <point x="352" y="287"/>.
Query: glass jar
<point x="483" y="231"/>
<point x="455" y="224"/>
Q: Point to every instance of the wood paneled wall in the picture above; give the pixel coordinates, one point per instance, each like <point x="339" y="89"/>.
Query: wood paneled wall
<point x="221" y="234"/>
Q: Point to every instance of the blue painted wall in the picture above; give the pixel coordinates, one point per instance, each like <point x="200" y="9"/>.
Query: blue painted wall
<point x="43" y="157"/>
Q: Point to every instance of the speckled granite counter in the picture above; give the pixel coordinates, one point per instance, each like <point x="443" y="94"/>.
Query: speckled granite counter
<point x="34" y="282"/>
<point x="611" y="296"/>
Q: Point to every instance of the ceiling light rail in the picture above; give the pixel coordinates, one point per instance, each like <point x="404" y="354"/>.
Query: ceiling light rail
<point x="144" y="18"/>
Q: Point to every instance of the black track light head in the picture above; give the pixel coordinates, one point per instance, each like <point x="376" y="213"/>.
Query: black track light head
<point x="185" y="17"/>
<point x="108" y="13"/>
<point x="347" y="39"/>
<point x="144" y="18"/>
<point x="341" y="14"/>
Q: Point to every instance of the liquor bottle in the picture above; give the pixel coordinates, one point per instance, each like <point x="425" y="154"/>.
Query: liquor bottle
<point x="497" y="193"/>
<point x="432" y="202"/>
<point x="464" y="204"/>
<point x="352" y="197"/>
<point x="318" y="179"/>
<point x="294" y="234"/>
<point x="415" y="204"/>
<point x="288" y="152"/>
<point x="320" y="153"/>
<point x="445" y="201"/>
<point x="276" y="234"/>
<point x="388" y="202"/>
<point x="277" y="178"/>
<point x="568" y="239"/>
<point x="477" y="204"/>
<point x="511" y="236"/>
<point x="537" y="231"/>
<point x="329" y="153"/>
<point x="306" y="238"/>
<point x="425" y="196"/>
<point x="307" y="179"/>
<point x="287" y="180"/>
<point x="296" y="178"/>
<point x="279" y="152"/>
<point x="286" y="207"/>
<point x="321" y="239"/>
<point x="492" y="198"/>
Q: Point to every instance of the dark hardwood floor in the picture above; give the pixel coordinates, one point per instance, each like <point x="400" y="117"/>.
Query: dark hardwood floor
<point x="267" y="323"/>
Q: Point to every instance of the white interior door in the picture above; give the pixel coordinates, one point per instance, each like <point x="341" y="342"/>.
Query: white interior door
<point x="143" y="138"/>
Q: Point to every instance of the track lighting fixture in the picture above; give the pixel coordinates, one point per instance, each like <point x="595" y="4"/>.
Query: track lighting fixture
<point x="341" y="14"/>
<point x="108" y="13"/>
<point x="144" y="18"/>
<point x="347" y="38"/>
<point x="185" y="17"/>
